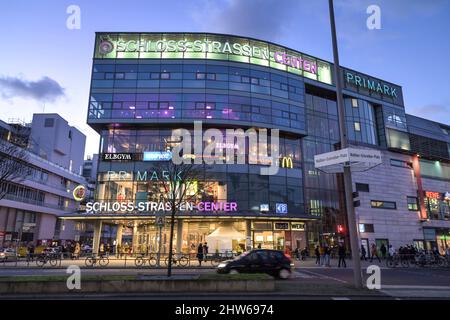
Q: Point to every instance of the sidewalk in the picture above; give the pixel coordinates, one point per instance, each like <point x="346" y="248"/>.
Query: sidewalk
<point x="310" y="263"/>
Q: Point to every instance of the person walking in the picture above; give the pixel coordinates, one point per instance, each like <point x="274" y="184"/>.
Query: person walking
<point x="205" y="251"/>
<point x="374" y="252"/>
<point x="327" y="253"/>
<point x="363" y="253"/>
<point x="383" y="251"/>
<point x="341" y="254"/>
<point x="200" y="254"/>
<point x="317" y="254"/>
<point x="322" y="255"/>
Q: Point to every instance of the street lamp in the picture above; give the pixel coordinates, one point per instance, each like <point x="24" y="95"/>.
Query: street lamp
<point x="353" y="235"/>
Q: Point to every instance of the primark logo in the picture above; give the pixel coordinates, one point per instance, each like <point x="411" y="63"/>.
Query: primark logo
<point x="370" y="84"/>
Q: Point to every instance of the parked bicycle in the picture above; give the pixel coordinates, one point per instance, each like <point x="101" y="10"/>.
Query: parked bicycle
<point x="182" y="260"/>
<point x="102" y="261"/>
<point x="142" y="260"/>
<point x="43" y="259"/>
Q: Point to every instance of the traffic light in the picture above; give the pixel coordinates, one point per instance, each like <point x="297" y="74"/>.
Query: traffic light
<point x="356" y="202"/>
<point x="340" y="228"/>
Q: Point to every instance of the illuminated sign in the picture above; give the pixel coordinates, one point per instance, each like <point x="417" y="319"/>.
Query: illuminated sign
<point x="264" y="207"/>
<point x="79" y="193"/>
<point x="281" y="208"/>
<point x="286" y="162"/>
<point x="370" y="84"/>
<point x="142" y="175"/>
<point x="210" y="46"/>
<point x="281" y="226"/>
<point x="151" y="206"/>
<point x="298" y="226"/>
<point x="432" y="195"/>
<point x="157" y="156"/>
<point x="118" y="157"/>
<point x="295" y="62"/>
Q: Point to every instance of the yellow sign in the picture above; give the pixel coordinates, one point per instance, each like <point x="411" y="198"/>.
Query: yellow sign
<point x="286" y="162"/>
<point x="79" y="193"/>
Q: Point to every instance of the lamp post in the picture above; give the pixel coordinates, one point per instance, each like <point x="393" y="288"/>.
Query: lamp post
<point x="353" y="235"/>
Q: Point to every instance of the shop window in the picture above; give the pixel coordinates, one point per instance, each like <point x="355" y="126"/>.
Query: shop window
<point x="412" y="203"/>
<point x="366" y="228"/>
<point x="362" y="187"/>
<point x="383" y="204"/>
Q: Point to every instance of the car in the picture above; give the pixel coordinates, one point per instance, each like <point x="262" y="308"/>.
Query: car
<point x="7" y="253"/>
<point x="272" y="262"/>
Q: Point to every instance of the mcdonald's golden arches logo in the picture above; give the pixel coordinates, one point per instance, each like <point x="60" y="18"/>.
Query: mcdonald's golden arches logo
<point x="286" y="162"/>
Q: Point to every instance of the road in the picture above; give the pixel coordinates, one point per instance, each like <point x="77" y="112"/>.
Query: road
<point x="398" y="282"/>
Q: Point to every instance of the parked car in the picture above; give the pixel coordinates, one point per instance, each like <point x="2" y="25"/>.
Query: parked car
<point x="272" y="262"/>
<point x="7" y="253"/>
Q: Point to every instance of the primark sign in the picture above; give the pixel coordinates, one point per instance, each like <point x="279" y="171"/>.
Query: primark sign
<point x="360" y="81"/>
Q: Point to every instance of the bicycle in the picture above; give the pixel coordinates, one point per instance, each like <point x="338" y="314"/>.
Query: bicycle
<point x="93" y="260"/>
<point x="182" y="261"/>
<point x="141" y="260"/>
<point x="43" y="259"/>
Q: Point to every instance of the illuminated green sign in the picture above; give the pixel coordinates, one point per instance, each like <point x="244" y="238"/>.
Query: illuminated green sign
<point x="370" y="84"/>
<point x="210" y="46"/>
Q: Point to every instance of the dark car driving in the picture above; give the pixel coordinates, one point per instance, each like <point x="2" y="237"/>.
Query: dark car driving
<point x="272" y="262"/>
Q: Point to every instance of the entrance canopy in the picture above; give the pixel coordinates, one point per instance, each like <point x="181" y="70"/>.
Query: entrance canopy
<point x="221" y="239"/>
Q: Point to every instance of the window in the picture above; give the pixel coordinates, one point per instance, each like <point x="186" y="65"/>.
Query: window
<point x="200" y="76"/>
<point x="211" y="76"/>
<point x="366" y="227"/>
<point x="362" y="187"/>
<point x="412" y="203"/>
<point x="49" y="122"/>
<point x="355" y="103"/>
<point x="70" y="134"/>
<point x="357" y="126"/>
<point x="401" y="163"/>
<point x="165" y="75"/>
<point x="383" y="204"/>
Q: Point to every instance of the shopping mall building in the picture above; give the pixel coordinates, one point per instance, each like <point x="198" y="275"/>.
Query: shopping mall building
<point x="144" y="85"/>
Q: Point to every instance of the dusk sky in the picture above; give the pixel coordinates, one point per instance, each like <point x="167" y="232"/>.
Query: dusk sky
<point x="46" y="67"/>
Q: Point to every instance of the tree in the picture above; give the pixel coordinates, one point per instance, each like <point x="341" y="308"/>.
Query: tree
<point x="181" y="186"/>
<point x="13" y="165"/>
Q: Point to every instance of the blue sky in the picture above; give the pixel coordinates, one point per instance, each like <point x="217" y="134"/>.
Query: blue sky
<point x="46" y="67"/>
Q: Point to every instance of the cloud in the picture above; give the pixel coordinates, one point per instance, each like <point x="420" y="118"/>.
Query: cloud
<point x="44" y="89"/>
<point x="266" y="19"/>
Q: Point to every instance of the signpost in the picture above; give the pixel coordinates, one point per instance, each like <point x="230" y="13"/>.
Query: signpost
<point x="355" y="158"/>
<point x="160" y="221"/>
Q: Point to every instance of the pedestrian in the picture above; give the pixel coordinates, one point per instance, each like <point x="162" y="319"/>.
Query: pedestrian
<point x="200" y="254"/>
<point x="296" y="254"/>
<point x="363" y="253"/>
<point x="374" y="252"/>
<point x="327" y="253"/>
<point x="341" y="254"/>
<point x="259" y="246"/>
<point x="77" y="250"/>
<point x="108" y="248"/>
<point x="391" y="251"/>
<point x="205" y="250"/>
<point x="322" y="254"/>
<point x="317" y="254"/>
<point x="102" y="249"/>
<point x="383" y="251"/>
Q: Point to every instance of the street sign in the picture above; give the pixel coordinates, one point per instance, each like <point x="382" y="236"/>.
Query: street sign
<point x="357" y="159"/>
<point x="281" y="208"/>
<point x="160" y="221"/>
